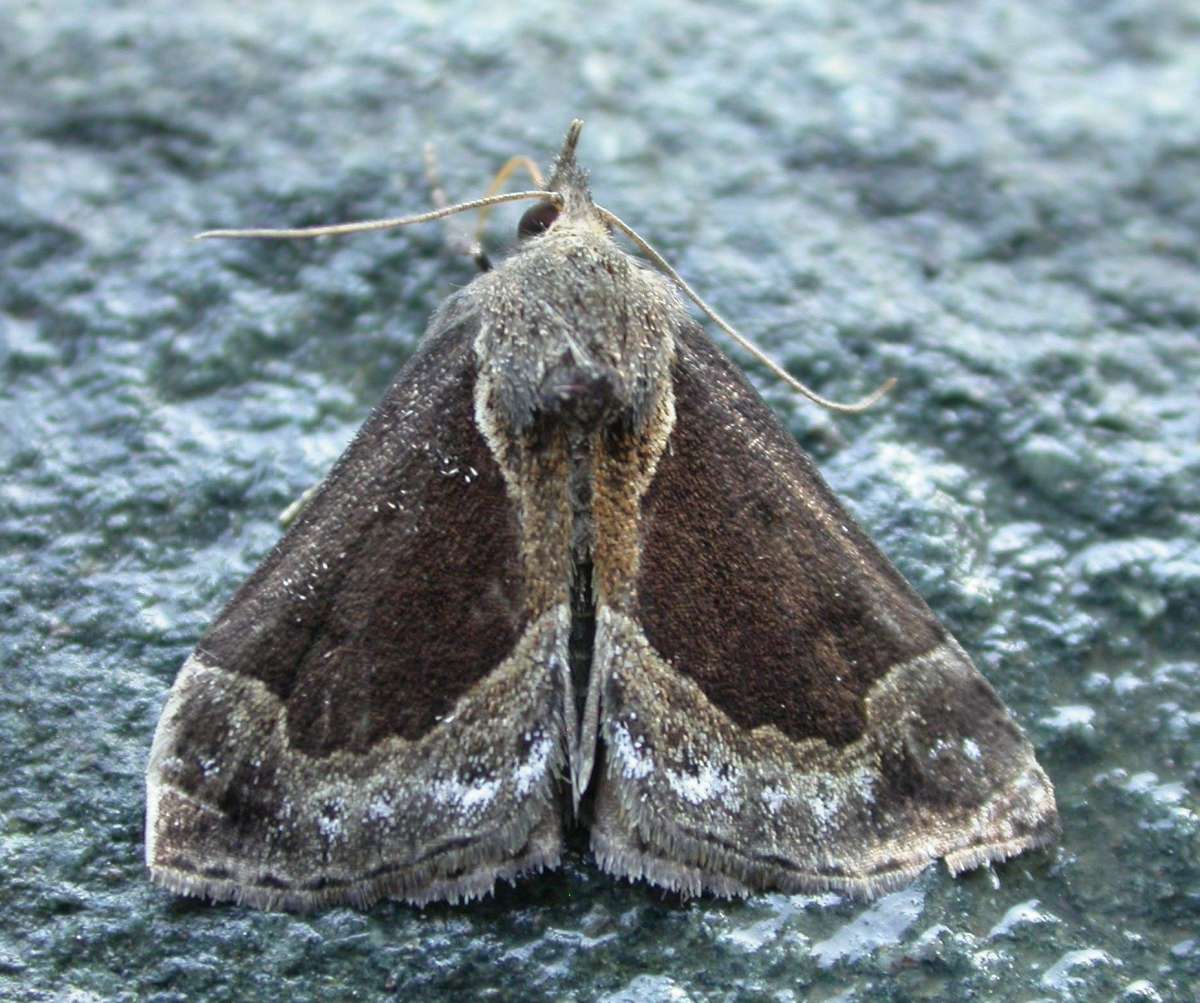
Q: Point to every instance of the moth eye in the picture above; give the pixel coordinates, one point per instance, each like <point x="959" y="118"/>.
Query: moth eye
<point x="537" y="220"/>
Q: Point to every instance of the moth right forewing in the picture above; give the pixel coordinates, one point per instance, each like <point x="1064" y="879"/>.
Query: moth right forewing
<point x="778" y="708"/>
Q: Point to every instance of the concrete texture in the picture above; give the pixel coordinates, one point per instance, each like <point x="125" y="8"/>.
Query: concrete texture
<point x="996" y="202"/>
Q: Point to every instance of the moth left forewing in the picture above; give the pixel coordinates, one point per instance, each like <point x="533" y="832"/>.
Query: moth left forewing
<point x="777" y="707"/>
<point x="379" y="710"/>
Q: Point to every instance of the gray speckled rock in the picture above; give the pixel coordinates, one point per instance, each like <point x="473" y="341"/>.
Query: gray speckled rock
<point x="998" y="203"/>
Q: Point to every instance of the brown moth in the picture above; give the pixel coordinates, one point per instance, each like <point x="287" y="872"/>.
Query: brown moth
<point x="574" y="567"/>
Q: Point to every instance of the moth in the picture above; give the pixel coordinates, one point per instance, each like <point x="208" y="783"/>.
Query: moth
<point x="573" y="568"/>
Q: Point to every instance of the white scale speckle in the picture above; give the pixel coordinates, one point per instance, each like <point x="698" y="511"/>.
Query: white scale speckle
<point x="828" y="796"/>
<point x="971" y="750"/>
<point x="330" y="825"/>
<point x="628" y="751"/>
<point x="706" y="785"/>
<point x="864" y="781"/>
<point x="463" y="797"/>
<point x="825" y="801"/>
<point x="534" y="768"/>
<point x="480" y="793"/>
<point x="773" y="798"/>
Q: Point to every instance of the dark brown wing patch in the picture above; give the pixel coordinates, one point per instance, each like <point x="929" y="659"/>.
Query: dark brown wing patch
<point x="750" y="560"/>
<point x="405" y="603"/>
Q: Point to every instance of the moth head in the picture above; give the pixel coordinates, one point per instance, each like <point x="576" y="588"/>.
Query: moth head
<point x="570" y="196"/>
<point x="566" y="197"/>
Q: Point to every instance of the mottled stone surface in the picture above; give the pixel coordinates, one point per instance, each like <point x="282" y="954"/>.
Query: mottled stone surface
<point x="997" y="202"/>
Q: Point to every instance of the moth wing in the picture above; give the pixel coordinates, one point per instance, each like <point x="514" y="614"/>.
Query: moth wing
<point x="778" y="707"/>
<point x="377" y="712"/>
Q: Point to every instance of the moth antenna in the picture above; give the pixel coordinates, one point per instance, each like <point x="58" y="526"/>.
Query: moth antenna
<point x="661" y="264"/>
<point x="457" y="239"/>
<point x="370" y="225"/>
<point x="510" y="168"/>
